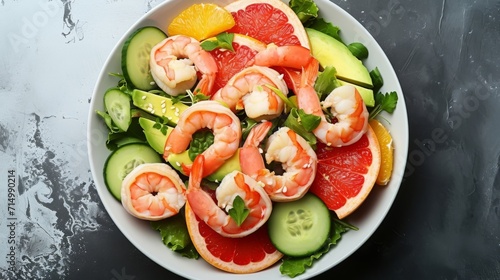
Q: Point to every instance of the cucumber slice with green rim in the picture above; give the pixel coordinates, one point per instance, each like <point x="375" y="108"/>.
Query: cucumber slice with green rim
<point x="117" y="105"/>
<point x="135" y="57"/>
<point x="123" y="160"/>
<point x="299" y="228"/>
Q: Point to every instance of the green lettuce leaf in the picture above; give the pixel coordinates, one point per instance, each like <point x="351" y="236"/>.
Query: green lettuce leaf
<point x="304" y="9"/>
<point x="326" y="82"/>
<point x="326" y="27"/>
<point x="175" y="235"/>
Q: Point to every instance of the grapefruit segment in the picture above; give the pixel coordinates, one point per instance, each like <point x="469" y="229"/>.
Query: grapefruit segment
<point x="248" y="254"/>
<point x="346" y="175"/>
<point x="270" y="21"/>
<point x="229" y="63"/>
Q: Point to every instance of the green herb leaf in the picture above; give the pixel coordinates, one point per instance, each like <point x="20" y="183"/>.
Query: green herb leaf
<point x="377" y="79"/>
<point x="308" y="121"/>
<point x="239" y="212"/>
<point x="202" y="139"/>
<point x="304" y="9"/>
<point x="293" y="266"/>
<point x="293" y="122"/>
<point x="326" y="82"/>
<point x="200" y="97"/>
<point x="179" y="98"/>
<point x="222" y="41"/>
<point x="161" y="125"/>
<point x="358" y="50"/>
<point x="384" y="102"/>
<point x="175" y="236"/>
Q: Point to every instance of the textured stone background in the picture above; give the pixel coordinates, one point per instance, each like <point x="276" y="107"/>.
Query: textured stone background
<point x="443" y="225"/>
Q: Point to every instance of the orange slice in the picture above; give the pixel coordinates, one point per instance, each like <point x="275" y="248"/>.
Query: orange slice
<point x="201" y="21"/>
<point x="386" y="152"/>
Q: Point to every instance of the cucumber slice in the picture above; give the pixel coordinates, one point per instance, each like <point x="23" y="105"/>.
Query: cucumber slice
<point x="123" y="160"/>
<point x="299" y="228"/>
<point x="135" y="57"/>
<point x="117" y="105"/>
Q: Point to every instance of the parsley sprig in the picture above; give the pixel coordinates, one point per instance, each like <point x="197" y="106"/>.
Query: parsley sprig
<point x="239" y="212"/>
<point x="384" y="102"/>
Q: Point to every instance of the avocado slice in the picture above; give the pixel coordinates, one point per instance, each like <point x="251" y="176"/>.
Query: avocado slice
<point x="182" y="159"/>
<point x="330" y="52"/>
<point x="154" y="136"/>
<point x="158" y="105"/>
<point x="366" y="94"/>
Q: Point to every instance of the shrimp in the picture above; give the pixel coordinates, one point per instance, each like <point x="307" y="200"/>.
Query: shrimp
<point x="345" y="103"/>
<point x="248" y="90"/>
<point x="153" y="191"/>
<point x="294" y="57"/>
<point x="298" y="160"/>
<point x="234" y="184"/>
<point x="348" y="107"/>
<point x="172" y="66"/>
<point x="224" y="124"/>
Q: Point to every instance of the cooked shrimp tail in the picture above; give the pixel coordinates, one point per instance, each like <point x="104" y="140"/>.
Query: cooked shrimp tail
<point x="298" y="161"/>
<point x="251" y="161"/>
<point x="233" y="185"/>
<point x="295" y="57"/>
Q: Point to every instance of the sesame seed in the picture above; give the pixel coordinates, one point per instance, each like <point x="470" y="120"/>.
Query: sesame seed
<point x="163" y="110"/>
<point x="284" y="190"/>
<point x="261" y="151"/>
<point x="177" y="163"/>
<point x="152" y="83"/>
<point x="172" y="107"/>
<point x="143" y="97"/>
<point x="169" y="117"/>
<point x="163" y="105"/>
<point x="152" y="111"/>
<point x="176" y="114"/>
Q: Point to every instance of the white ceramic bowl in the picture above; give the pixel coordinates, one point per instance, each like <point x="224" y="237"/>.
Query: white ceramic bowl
<point x="368" y="217"/>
